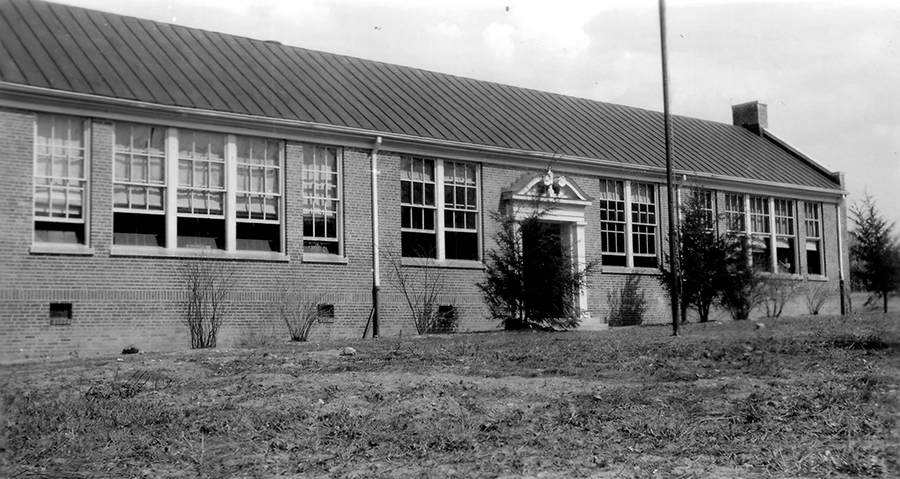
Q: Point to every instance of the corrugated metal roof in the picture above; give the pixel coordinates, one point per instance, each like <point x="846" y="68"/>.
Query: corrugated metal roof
<point x="85" y="51"/>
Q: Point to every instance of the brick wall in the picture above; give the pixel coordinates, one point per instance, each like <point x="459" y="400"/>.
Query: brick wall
<point x="120" y="301"/>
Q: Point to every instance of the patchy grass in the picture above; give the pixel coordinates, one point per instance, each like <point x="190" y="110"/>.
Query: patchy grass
<point x="810" y="397"/>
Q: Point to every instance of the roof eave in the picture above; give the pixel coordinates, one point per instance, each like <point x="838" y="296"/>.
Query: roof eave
<point x="25" y="96"/>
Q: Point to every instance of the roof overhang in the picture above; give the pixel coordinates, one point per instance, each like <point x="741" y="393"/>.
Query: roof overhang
<point x="27" y="97"/>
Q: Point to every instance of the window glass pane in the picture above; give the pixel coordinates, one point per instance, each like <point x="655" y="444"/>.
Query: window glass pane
<point x="429" y="194"/>
<point x="185" y="143"/>
<point x="157" y="141"/>
<point x="60" y="167"/>
<point x="273" y="155"/>
<point x="44" y="132"/>
<point x="185" y="173"/>
<point x="201" y="144"/>
<point x="217" y="175"/>
<point x="140" y="139"/>
<point x="42" y="201"/>
<point x="201" y="174"/>
<point x="271" y="208"/>
<point x="120" y="198"/>
<point x="139" y="169"/>
<point x="157" y="169"/>
<point x="272" y="181"/>
<point x="123" y="136"/>
<point x="155" y="198"/>
<point x="76" y="132"/>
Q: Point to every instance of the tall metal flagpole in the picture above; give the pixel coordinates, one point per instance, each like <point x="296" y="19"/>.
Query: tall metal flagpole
<point x="670" y="176"/>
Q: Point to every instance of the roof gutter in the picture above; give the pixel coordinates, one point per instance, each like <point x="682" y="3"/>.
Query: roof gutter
<point x="27" y="97"/>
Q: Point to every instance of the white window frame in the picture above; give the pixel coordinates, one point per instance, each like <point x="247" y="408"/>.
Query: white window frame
<point x="815" y="240"/>
<point x="229" y="190"/>
<point x="84" y="220"/>
<point x="440" y="208"/>
<point x="762" y="228"/>
<point x="339" y="220"/>
<point x="784" y="229"/>
<point x="627" y="186"/>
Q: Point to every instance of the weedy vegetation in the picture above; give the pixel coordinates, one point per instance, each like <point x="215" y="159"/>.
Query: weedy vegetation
<point x="803" y="397"/>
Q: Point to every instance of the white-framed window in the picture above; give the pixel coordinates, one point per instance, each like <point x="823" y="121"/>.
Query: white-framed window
<point x="440" y="210"/>
<point x="760" y="231"/>
<point x="771" y="228"/>
<point x="643" y="224"/>
<point x="735" y="221"/>
<point x="185" y="188"/>
<point x="814" y="252"/>
<point x="461" y="211"/>
<point x="139" y="185"/>
<point x="322" y="200"/>
<point x="707" y="204"/>
<point x="628" y="223"/>
<point x="60" y="179"/>
<point x="258" y="195"/>
<point x="612" y="222"/>
<point x="785" y="236"/>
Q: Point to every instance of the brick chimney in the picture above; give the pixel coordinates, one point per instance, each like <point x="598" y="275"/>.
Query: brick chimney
<point x="752" y="115"/>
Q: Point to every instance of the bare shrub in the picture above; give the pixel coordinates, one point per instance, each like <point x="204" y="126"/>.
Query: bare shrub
<point x="300" y="312"/>
<point x="627" y="304"/>
<point x="208" y="284"/>
<point x="816" y="294"/>
<point x="420" y="285"/>
<point x="776" y="291"/>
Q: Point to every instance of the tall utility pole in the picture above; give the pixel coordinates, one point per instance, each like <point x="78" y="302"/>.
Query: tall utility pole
<point x="670" y="176"/>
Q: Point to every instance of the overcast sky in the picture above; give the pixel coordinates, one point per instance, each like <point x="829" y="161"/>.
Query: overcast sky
<point x="829" y="70"/>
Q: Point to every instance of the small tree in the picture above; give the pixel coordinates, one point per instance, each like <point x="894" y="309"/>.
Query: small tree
<point x="741" y="288"/>
<point x="776" y="291"/>
<point x="703" y="259"/>
<point x="627" y="304"/>
<point x="816" y="294"/>
<point x="421" y="285"/>
<point x="875" y="254"/>
<point x="531" y="281"/>
<point x="208" y="284"/>
<point x="300" y="312"/>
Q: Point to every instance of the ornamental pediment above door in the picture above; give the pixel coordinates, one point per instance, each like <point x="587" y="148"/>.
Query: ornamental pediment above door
<point x="549" y="185"/>
<point x="559" y="198"/>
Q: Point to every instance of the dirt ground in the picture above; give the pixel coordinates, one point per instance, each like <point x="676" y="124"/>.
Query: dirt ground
<point x="804" y="398"/>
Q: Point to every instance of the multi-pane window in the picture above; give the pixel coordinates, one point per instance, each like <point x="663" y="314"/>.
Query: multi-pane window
<point x="321" y="200"/>
<point x="139" y="185"/>
<point x="612" y="222"/>
<point x="628" y="223"/>
<point x="60" y="185"/>
<point x="201" y="189"/>
<point x="706" y="202"/>
<point x="182" y="188"/>
<point x="258" y="195"/>
<point x="785" y="251"/>
<point x="460" y="211"/>
<point x="760" y="231"/>
<point x="771" y="228"/>
<point x="813" y="221"/>
<point x="439" y="225"/>
<point x="734" y="213"/>
<point x="643" y="224"/>
<point x="418" y="208"/>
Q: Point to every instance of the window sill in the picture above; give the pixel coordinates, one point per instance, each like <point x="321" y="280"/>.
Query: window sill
<point x="794" y="276"/>
<point x="442" y="263"/>
<point x="58" y="248"/>
<point x="193" y="253"/>
<point x="324" y="258"/>
<point x="626" y="270"/>
<point x="817" y="277"/>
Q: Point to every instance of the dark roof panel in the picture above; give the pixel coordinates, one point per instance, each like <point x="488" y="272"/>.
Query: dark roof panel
<point x="83" y="51"/>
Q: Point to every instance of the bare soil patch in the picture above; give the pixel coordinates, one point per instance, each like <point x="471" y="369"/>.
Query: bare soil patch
<point x="802" y="397"/>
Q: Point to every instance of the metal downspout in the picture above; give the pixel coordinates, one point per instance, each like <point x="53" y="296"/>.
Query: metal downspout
<point x="376" y="269"/>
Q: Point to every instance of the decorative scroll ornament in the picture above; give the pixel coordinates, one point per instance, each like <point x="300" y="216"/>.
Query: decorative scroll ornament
<point x="552" y="185"/>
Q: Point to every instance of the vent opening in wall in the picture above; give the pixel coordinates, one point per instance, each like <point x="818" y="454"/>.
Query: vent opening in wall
<point x="60" y="314"/>
<point x="326" y="312"/>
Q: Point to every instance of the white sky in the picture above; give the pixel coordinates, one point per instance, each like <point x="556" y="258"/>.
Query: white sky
<point x="829" y="70"/>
